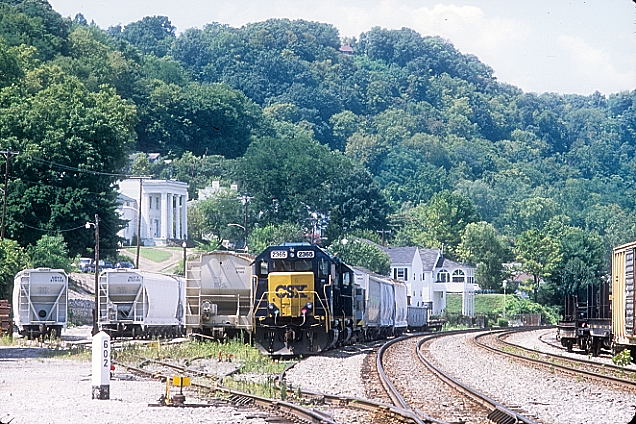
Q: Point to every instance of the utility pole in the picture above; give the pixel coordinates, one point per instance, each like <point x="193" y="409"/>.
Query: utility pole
<point x="96" y="314"/>
<point x="245" y="199"/>
<point x="141" y="190"/>
<point x="7" y="158"/>
<point x="383" y="233"/>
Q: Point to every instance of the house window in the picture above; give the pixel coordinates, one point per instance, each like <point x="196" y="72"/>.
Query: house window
<point x="399" y="273"/>
<point x="443" y="276"/>
<point x="458" y="276"/>
<point x="471" y="280"/>
<point x="149" y="202"/>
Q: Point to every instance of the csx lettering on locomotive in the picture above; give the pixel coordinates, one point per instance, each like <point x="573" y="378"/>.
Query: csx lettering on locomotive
<point x="291" y="291"/>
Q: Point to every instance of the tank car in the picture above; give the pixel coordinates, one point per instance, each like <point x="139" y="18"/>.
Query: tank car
<point x="40" y="302"/>
<point x="304" y="300"/>
<point x="219" y="294"/>
<point x="140" y="304"/>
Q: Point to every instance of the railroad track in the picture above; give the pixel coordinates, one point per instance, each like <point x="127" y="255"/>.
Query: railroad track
<point x="478" y="409"/>
<point x="286" y="410"/>
<point x="608" y="373"/>
<point x="372" y="411"/>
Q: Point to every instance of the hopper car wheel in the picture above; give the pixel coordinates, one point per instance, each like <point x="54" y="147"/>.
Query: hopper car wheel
<point x="57" y="332"/>
<point x="569" y="344"/>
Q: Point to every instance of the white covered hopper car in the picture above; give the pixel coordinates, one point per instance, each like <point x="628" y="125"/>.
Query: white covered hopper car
<point x="40" y="302"/>
<point x="141" y="304"/>
<point x="219" y="294"/>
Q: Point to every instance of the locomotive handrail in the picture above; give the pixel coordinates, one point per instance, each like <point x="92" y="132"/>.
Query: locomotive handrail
<point x="266" y="293"/>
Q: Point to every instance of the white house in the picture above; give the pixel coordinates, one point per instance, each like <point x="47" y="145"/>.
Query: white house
<point x="430" y="276"/>
<point x="164" y="214"/>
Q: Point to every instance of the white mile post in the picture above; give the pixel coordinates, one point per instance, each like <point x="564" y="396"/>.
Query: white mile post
<point x="101" y="366"/>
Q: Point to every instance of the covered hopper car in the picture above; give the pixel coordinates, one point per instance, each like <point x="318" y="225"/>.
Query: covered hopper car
<point x="40" y="302"/>
<point x="141" y="304"/>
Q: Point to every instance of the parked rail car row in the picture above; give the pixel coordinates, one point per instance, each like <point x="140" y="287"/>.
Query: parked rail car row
<point x="604" y="317"/>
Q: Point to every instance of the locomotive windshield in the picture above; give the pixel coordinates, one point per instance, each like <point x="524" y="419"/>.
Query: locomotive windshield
<point x="300" y="265"/>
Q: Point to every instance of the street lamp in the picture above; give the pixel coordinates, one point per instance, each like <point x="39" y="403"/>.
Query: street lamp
<point x="185" y="255"/>
<point x="244" y="233"/>
<point x="95" y="313"/>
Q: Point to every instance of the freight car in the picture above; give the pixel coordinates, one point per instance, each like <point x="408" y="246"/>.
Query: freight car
<point x="622" y="297"/>
<point x="40" y="302"/>
<point x="219" y="294"/>
<point x="586" y="320"/>
<point x="140" y="304"/>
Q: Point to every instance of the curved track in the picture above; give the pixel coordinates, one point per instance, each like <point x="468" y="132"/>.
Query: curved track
<point x="591" y="369"/>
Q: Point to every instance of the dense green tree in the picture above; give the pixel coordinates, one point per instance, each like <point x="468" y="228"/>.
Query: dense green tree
<point x="540" y="255"/>
<point x="357" y="252"/>
<point x="12" y="259"/>
<point x="70" y="141"/>
<point x="482" y="246"/>
<point x="440" y="222"/>
<point x="50" y="252"/>
<point x="272" y="234"/>
<point x="152" y="34"/>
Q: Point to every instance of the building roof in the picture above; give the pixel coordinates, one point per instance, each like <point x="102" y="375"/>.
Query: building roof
<point x="400" y="255"/>
<point x="346" y="48"/>
<point x="447" y="263"/>
<point x="429" y="258"/>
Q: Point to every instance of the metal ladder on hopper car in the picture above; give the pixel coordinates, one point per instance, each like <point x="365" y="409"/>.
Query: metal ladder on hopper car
<point x="24" y="299"/>
<point x="193" y="292"/>
<point x="102" y="308"/>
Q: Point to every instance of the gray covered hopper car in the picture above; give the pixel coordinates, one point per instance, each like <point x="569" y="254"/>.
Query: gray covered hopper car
<point x="40" y="302"/>
<point x="219" y="294"/>
<point x="141" y="303"/>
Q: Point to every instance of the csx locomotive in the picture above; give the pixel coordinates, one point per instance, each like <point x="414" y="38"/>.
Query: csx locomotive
<point x="307" y="301"/>
<point x="303" y="299"/>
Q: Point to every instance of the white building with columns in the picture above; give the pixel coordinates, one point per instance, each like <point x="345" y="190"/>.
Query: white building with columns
<point x="164" y="213"/>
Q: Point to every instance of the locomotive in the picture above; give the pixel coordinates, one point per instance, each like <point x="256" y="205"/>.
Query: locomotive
<point x="307" y="300"/>
<point x="304" y="300"/>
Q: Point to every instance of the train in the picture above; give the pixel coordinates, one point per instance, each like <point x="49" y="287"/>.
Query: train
<point x="288" y="304"/>
<point x="603" y="317"/>
<point x="307" y="301"/>
<point x="40" y="302"/>
<point x="140" y="304"/>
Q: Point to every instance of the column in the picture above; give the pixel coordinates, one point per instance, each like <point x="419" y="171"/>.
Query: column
<point x="145" y="213"/>
<point x="170" y="217"/>
<point x="164" y="216"/>
<point x="177" y="222"/>
<point x="184" y="217"/>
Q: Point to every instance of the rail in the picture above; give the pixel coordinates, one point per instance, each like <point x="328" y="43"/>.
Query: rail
<point x="499" y="414"/>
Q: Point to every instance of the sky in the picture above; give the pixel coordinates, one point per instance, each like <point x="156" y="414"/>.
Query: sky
<point x="539" y="46"/>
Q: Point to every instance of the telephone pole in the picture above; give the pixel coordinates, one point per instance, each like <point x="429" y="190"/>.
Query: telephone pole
<point x="141" y="190"/>
<point x="8" y="154"/>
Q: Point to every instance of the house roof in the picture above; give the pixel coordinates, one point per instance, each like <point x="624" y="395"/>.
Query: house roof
<point x="429" y="258"/>
<point x="346" y="48"/>
<point x="447" y="263"/>
<point x="400" y="255"/>
<point x="121" y="198"/>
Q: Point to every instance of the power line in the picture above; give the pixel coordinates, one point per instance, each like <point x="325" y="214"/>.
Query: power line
<point x="85" y="171"/>
<point x="53" y="231"/>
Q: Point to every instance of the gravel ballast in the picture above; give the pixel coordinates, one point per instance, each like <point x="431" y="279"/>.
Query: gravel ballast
<point x="550" y="396"/>
<point x="42" y="390"/>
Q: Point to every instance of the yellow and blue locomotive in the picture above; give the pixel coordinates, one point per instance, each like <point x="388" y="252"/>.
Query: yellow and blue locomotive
<point x="305" y="300"/>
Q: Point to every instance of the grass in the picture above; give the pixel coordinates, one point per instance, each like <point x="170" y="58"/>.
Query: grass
<point x="251" y="360"/>
<point x="484" y="303"/>
<point x="151" y="253"/>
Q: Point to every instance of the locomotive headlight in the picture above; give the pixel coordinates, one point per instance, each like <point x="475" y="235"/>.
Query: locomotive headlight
<point x="272" y="309"/>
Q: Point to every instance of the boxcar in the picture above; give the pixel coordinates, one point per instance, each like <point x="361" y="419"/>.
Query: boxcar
<point x="40" y="302"/>
<point x="622" y="297"/>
